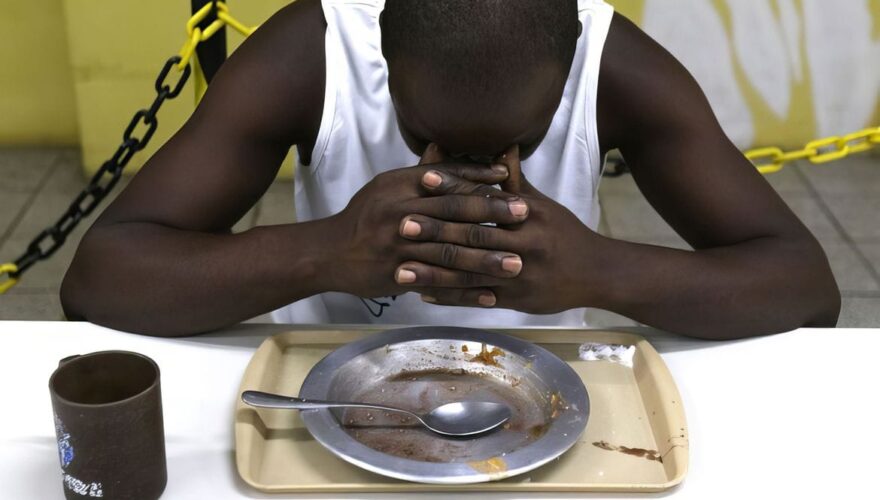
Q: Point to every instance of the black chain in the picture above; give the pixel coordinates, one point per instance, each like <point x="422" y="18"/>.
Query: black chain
<point x="51" y="238"/>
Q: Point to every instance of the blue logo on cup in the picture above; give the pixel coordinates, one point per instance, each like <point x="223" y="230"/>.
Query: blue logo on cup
<point x="65" y="449"/>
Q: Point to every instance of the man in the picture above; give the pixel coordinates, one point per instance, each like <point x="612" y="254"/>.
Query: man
<point x="528" y="94"/>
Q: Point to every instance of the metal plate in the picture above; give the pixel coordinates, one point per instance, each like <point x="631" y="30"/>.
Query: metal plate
<point x="421" y="368"/>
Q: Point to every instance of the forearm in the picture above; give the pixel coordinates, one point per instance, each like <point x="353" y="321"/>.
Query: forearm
<point x="758" y="287"/>
<point x="156" y="280"/>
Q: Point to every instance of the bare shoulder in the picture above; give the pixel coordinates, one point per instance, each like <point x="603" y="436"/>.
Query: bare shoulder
<point x="642" y="87"/>
<point x="279" y="75"/>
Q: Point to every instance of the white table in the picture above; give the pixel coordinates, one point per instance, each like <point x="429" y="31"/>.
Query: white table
<point x="789" y="416"/>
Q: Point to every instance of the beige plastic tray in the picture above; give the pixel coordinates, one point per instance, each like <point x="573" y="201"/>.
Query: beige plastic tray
<point x="636" y="436"/>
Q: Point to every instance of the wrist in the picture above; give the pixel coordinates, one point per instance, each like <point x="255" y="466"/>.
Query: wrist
<point x="327" y="255"/>
<point x="309" y="254"/>
<point x="596" y="270"/>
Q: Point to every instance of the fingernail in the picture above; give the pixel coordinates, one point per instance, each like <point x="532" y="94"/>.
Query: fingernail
<point x="512" y="264"/>
<point x="432" y="179"/>
<point x="499" y="169"/>
<point x="411" y="228"/>
<point x="518" y="208"/>
<point x="429" y="299"/>
<point x="405" y="276"/>
<point x="487" y="300"/>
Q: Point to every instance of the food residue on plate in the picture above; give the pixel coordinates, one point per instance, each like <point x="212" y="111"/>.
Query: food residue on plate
<point x="537" y="431"/>
<point x="636" y="452"/>
<point x="557" y="405"/>
<point x="420" y="374"/>
<point x="486" y="356"/>
<point x="493" y="465"/>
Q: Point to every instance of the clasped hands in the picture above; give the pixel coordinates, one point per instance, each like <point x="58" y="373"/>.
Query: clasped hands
<point x="443" y="230"/>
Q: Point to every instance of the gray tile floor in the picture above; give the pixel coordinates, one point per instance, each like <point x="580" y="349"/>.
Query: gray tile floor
<point x="839" y="202"/>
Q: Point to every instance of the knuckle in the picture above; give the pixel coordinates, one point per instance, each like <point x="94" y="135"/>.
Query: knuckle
<point x="449" y="254"/>
<point x="452" y="206"/>
<point x="475" y="235"/>
<point x="459" y="170"/>
<point x="473" y="173"/>
<point x="471" y="279"/>
<point x="432" y="276"/>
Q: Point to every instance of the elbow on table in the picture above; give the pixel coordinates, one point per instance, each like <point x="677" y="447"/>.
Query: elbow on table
<point x="827" y="302"/>
<point x="88" y="291"/>
<point x="794" y="289"/>
<point x="98" y="288"/>
<point x="817" y="293"/>
<point x="81" y="301"/>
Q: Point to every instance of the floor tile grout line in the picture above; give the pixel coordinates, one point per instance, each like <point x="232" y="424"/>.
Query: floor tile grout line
<point x="839" y="227"/>
<point x="860" y="294"/>
<point x="13" y="225"/>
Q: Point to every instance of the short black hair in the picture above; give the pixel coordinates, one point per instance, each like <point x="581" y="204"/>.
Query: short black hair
<point x="476" y="42"/>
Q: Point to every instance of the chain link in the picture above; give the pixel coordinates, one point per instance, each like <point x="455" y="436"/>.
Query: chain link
<point x="7" y="269"/>
<point x="103" y="181"/>
<point x="143" y="121"/>
<point x="771" y="160"/>
<point x="196" y="35"/>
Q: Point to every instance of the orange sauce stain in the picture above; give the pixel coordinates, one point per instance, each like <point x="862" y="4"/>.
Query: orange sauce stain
<point x="492" y="466"/>
<point x="487" y="357"/>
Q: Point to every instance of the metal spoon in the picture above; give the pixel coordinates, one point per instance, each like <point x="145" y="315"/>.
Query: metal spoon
<point x="465" y="418"/>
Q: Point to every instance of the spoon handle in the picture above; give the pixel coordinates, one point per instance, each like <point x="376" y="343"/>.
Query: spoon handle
<point x="267" y="400"/>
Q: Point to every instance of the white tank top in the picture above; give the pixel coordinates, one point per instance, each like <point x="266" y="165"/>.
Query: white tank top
<point x="359" y="138"/>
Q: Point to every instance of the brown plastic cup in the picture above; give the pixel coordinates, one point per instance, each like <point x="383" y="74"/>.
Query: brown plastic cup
<point x="108" y="421"/>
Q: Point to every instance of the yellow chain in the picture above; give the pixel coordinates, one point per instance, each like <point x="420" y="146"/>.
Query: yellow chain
<point x="770" y="160"/>
<point x="196" y="35"/>
<point x="8" y="269"/>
